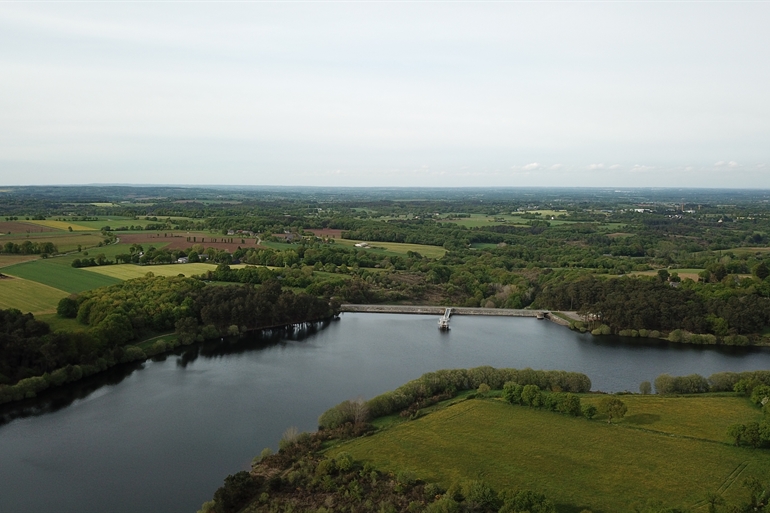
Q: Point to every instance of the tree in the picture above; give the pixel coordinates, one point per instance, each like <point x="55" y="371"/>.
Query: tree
<point x="612" y="407"/>
<point x="761" y="271"/>
<point x="67" y="307"/>
<point x="531" y="396"/>
<point x="645" y="388"/>
<point x="736" y="432"/>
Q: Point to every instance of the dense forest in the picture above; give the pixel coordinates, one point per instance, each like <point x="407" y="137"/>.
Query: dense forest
<point x="32" y="357"/>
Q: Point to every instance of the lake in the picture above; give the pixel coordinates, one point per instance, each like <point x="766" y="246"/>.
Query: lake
<point x="162" y="435"/>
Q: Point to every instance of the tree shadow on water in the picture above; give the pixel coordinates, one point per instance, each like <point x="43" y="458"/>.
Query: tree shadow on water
<point x="248" y="342"/>
<point x="57" y="398"/>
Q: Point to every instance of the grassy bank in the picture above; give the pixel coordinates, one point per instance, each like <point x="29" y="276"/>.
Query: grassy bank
<point x="672" y="450"/>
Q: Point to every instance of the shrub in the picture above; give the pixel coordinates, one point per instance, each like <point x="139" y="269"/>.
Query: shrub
<point x="512" y="392"/>
<point x="589" y="411"/>
<point x="602" y="330"/>
<point x="236" y="491"/>
<point x="483" y="390"/>
<point x="760" y="395"/>
<point x="645" y="387"/>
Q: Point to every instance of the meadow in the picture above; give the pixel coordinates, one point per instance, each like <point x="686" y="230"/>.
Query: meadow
<point x="130" y="271"/>
<point x="396" y="248"/>
<point x="577" y="463"/>
<point x="29" y="296"/>
<point x="59" y="275"/>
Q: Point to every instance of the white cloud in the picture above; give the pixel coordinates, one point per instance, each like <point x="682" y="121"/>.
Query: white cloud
<point x="615" y="166"/>
<point x="556" y="166"/>
<point x="532" y="166"/>
<point x="719" y="164"/>
<point x="732" y="163"/>
<point x="595" y="166"/>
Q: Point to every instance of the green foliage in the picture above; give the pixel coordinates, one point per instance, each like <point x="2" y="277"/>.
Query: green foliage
<point x="613" y="408"/>
<point x="528" y="501"/>
<point x="645" y="388"/>
<point x="238" y="489"/>
<point x="589" y="411"/>
<point x="691" y="384"/>
<point x="434" y="386"/>
<point x="67" y="307"/>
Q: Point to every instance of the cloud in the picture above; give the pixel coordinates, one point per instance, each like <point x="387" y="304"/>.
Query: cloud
<point x="732" y="163"/>
<point x="719" y="164"/>
<point x="615" y="166"/>
<point x="595" y="166"/>
<point x="532" y="166"/>
<point x="556" y="166"/>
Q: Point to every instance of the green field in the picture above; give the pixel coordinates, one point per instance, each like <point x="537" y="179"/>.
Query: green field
<point x="59" y="274"/>
<point x="29" y="296"/>
<point x="396" y="248"/>
<point x="577" y="463"/>
<point x="130" y="271"/>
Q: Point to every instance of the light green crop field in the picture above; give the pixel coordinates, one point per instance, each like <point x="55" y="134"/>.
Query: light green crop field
<point x="397" y="248"/>
<point x="577" y="463"/>
<point x="130" y="271"/>
<point x="59" y="274"/>
<point x="29" y="296"/>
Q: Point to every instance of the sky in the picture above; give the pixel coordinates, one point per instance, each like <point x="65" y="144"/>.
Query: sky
<point x="450" y="94"/>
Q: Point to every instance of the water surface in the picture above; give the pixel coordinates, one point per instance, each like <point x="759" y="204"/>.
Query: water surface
<point x="161" y="436"/>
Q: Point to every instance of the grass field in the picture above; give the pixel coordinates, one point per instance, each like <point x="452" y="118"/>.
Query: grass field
<point x="29" y="296"/>
<point x="577" y="463"/>
<point x="59" y="275"/>
<point x="397" y="248"/>
<point x="63" y="225"/>
<point x="65" y="241"/>
<point x="130" y="271"/>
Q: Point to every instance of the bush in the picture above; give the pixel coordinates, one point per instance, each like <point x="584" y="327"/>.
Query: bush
<point x="760" y="395"/>
<point x="645" y="387"/>
<point x="589" y="411"/>
<point x="238" y="489"/>
<point x="602" y="330"/>
<point x="512" y="392"/>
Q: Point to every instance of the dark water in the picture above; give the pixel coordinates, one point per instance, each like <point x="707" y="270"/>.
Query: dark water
<point x="161" y="436"/>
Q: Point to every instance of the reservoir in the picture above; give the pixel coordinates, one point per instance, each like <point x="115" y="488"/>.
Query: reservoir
<point x="163" y="435"/>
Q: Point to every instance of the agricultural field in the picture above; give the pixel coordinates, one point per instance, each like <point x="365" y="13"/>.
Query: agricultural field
<point x="65" y="241"/>
<point x="481" y="220"/>
<point x="6" y="260"/>
<point x="57" y="273"/>
<point x="29" y="296"/>
<point x="577" y="463"/>
<point x="130" y="271"/>
<point x="63" y="225"/>
<point x="396" y="248"/>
